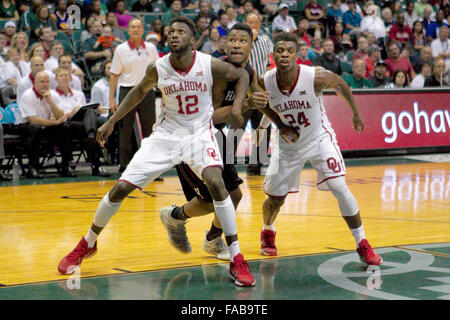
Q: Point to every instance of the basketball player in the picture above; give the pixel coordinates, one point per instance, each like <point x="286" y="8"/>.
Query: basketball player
<point x="184" y="132"/>
<point x="296" y="96"/>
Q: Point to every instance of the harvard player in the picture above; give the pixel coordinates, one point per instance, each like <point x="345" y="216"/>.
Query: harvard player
<point x="184" y="133"/>
<point x="239" y="46"/>
<point x="296" y="96"/>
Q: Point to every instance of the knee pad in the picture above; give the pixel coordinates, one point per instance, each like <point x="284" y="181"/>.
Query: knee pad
<point x="347" y="202"/>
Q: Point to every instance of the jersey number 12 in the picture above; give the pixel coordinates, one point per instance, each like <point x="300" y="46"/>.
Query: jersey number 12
<point x="191" y="104"/>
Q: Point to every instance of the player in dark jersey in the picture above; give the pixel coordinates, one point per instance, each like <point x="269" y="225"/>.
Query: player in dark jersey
<point x="239" y="46"/>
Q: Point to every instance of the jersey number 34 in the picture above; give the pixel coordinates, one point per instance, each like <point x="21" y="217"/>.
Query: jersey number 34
<point x="301" y="120"/>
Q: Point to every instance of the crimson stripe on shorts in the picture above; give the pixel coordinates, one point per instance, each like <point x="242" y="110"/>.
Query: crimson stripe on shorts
<point x="333" y="177"/>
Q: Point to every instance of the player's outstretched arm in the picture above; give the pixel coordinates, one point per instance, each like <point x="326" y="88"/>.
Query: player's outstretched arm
<point x="131" y="100"/>
<point x="325" y="79"/>
<point x="229" y="73"/>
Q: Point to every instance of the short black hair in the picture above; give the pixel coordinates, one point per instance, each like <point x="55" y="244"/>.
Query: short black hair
<point x="244" y="27"/>
<point x="185" y="20"/>
<point x="285" y="36"/>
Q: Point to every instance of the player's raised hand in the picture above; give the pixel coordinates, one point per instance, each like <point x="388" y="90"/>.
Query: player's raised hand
<point x="104" y="132"/>
<point x="258" y="99"/>
<point x="289" y="134"/>
<point x="358" y="122"/>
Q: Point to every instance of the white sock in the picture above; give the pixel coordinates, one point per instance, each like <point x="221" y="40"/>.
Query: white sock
<point x="269" y="227"/>
<point x="234" y="250"/>
<point x="105" y="210"/>
<point x="227" y="216"/>
<point x="358" y="234"/>
<point x="91" y="237"/>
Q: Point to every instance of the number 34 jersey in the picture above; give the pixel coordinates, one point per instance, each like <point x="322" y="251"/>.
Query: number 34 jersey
<point x="186" y="95"/>
<point x="299" y="107"/>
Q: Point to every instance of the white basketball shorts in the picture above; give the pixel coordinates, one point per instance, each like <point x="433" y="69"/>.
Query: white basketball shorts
<point x="286" y="163"/>
<point x="165" y="148"/>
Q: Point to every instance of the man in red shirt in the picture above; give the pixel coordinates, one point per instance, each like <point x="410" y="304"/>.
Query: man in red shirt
<point x="400" y="32"/>
<point x="395" y="62"/>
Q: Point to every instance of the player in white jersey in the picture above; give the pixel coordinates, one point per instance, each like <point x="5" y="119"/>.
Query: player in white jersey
<point x="184" y="133"/>
<point x="295" y="94"/>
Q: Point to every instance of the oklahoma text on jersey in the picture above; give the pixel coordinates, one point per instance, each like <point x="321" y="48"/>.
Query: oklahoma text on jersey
<point x="292" y="104"/>
<point x="185" y="86"/>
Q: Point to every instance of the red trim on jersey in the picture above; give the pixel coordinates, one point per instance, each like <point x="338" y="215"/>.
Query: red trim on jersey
<point x="280" y="197"/>
<point x="184" y="72"/>
<point x="132" y="46"/>
<point x="62" y="93"/>
<point x="293" y="86"/>
<point x="331" y="136"/>
<point x="134" y="186"/>
<point x="333" y="177"/>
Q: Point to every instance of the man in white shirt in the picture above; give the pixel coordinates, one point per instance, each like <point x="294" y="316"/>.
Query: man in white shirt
<point x="56" y="51"/>
<point x="440" y="47"/>
<point x="83" y="122"/>
<point x="41" y="117"/>
<point x="129" y="63"/>
<point x="419" y="79"/>
<point x="283" y="21"/>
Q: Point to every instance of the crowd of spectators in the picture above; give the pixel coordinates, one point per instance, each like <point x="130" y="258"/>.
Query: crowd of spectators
<point x="370" y="43"/>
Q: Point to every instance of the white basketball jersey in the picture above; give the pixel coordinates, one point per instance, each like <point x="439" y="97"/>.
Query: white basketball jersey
<point x="299" y="107"/>
<point x="186" y="96"/>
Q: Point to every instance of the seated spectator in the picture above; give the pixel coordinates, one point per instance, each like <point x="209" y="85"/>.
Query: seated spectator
<point x="400" y="80"/>
<point x="42" y="21"/>
<point x="424" y="55"/>
<point x="111" y="20"/>
<point x="20" y="42"/>
<point x="27" y="82"/>
<point x="213" y="43"/>
<point x="46" y="38"/>
<point x="202" y="33"/>
<point x="301" y="32"/>
<point x="97" y="11"/>
<point x="8" y="11"/>
<point x="328" y="60"/>
<point x="56" y="50"/>
<point x="60" y="18"/>
<point x="426" y="17"/>
<point x="433" y="27"/>
<point x="352" y="20"/>
<point x="440" y="47"/>
<point x="86" y="33"/>
<point x="356" y="79"/>
<point x="207" y="12"/>
<point x="41" y="117"/>
<point x="410" y="15"/>
<point x="95" y="56"/>
<point x="400" y="32"/>
<point x="65" y="61"/>
<point x="373" y="56"/>
<point x="424" y="72"/>
<point x="361" y="52"/>
<point x="379" y="80"/>
<point x="317" y="46"/>
<point x="270" y="7"/>
<point x="224" y="20"/>
<point x="107" y="41"/>
<point x="122" y="14"/>
<point x="372" y="23"/>
<point x="155" y="29"/>
<point x="222" y="44"/>
<point x="10" y="30"/>
<point x="174" y="11"/>
<point x="247" y="7"/>
<point x="420" y="7"/>
<point x="283" y="20"/>
<point x="14" y="69"/>
<point x="335" y="12"/>
<point x="3" y="49"/>
<point x="232" y="15"/>
<point x="337" y="37"/>
<point x="85" y="125"/>
<point x="303" y="55"/>
<point x="142" y="6"/>
<point x="37" y="50"/>
<point x="386" y="15"/>
<point x="100" y="93"/>
<point x="395" y="62"/>
<point x="153" y="38"/>
<point x="162" y="47"/>
<point x="418" y="40"/>
<point x="315" y="14"/>
<point x="436" y="78"/>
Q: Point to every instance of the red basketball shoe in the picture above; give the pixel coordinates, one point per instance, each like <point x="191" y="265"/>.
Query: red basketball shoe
<point x="240" y="272"/>
<point x="268" y="247"/>
<point x="73" y="260"/>
<point x="367" y="255"/>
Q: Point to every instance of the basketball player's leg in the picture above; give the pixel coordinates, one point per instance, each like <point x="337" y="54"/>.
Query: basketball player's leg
<point x="330" y="167"/>
<point x="282" y="177"/>
<point x="153" y="154"/>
